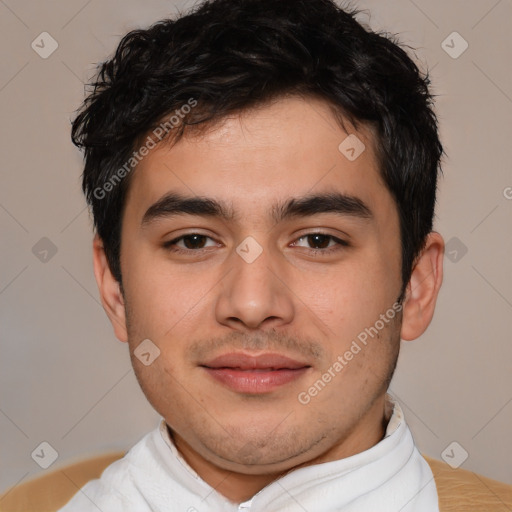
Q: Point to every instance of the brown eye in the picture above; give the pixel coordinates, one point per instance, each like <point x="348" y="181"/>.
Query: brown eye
<point x="194" y="241"/>
<point x="191" y="242"/>
<point x="320" y="242"/>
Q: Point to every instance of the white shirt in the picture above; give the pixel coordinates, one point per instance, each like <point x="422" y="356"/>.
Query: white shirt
<point x="392" y="476"/>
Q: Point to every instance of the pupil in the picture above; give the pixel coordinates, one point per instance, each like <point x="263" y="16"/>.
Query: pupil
<point x="321" y="240"/>
<point x="191" y="241"/>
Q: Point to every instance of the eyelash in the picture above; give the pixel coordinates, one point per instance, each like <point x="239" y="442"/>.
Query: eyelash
<point x="170" y="245"/>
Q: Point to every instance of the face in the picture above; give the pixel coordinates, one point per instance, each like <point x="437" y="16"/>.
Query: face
<point x="287" y="249"/>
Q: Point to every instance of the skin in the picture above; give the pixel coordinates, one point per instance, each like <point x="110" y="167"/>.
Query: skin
<point x="306" y="304"/>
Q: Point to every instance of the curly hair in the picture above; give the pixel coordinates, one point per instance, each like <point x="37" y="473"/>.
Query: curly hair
<point x="231" y="55"/>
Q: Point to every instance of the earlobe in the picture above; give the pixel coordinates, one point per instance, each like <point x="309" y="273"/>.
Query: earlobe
<point x="110" y="291"/>
<point x="423" y="288"/>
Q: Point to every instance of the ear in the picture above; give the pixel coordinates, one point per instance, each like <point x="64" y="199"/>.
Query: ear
<point x="110" y="291"/>
<point x="423" y="288"/>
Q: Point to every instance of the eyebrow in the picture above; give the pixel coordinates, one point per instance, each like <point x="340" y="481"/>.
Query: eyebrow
<point x="174" y="204"/>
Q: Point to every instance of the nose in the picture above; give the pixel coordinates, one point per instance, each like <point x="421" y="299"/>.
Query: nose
<point x="254" y="295"/>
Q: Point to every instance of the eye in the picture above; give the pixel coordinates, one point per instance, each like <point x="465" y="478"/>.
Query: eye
<point x="321" y="242"/>
<point x="315" y="242"/>
<point x="190" y="242"/>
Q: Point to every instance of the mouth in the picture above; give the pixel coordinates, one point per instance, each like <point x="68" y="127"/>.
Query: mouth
<point x="245" y="373"/>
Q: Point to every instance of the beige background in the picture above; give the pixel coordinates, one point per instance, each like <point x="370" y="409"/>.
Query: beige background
<point x="66" y="380"/>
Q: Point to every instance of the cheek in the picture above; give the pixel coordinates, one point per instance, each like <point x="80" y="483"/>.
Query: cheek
<point x="163" y="297"/>
<point x="351" y="297"/>
<point x="157" y="383"/>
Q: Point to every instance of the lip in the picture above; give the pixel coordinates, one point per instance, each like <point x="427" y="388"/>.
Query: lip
<point x="266" y="361"/>
<point x="255" y="374"/>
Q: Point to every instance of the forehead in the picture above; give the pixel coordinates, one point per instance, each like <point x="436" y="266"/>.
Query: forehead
<point x="291" y="147"/>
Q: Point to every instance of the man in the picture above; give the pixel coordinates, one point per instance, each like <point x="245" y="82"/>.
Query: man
<point x="262" y="175"/>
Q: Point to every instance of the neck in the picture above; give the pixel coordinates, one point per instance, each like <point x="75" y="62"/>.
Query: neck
<point x="239" y="487"/>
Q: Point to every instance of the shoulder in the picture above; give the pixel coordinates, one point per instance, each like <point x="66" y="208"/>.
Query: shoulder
<point x="460" y="490"/>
